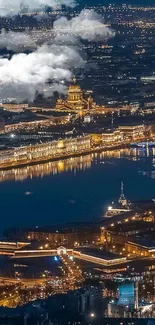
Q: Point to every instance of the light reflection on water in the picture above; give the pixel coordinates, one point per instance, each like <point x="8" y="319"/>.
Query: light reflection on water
<point x="75" y="189"/>
<point x="75" y="164"/>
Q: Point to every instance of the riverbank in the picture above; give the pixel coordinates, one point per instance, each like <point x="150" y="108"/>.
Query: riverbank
<point x="70" y="155"/>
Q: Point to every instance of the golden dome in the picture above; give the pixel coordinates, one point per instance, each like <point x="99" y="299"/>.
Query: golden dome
<point x="75" y="88"/>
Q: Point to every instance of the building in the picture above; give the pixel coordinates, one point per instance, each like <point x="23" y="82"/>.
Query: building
<point x="31" y="125"/>
<point x="107" y="138"/>
<point x="70" y="234"/>
<point x="124" y="133"/>
<point x="96" y="139"/>
<point x="98" y="256"/>
<point x="88" y="118"/>
<point x="111" y="137"/>
<point x="35" y="124"/>
<point x="140" y="247"/>
<point x="76" y="100"/>
<point x="132" y="132"/>
<point x="134" y="107"/>
<point x="45" y="151"/>
<point x="128" y="304"/>
<point x="124" y="306"/>
<point x="14" y="107"/>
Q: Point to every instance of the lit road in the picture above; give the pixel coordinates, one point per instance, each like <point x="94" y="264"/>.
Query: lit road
<point x="7" y="280"/>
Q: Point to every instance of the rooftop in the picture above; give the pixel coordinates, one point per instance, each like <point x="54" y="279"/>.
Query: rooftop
<point x="143" y="242"/>
<point x="74" y="88"/>
<point x="96" y="252"/>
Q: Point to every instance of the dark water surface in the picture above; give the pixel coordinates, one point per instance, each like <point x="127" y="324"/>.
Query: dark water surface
<point x="76" y="189"/>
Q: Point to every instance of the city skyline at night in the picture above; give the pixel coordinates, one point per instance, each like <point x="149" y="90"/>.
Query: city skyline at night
<point x="77" y="162"/>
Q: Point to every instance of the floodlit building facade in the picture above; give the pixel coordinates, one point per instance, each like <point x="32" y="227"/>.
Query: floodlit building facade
<point x="45" y="151"/>
<point x="76" y="100"/>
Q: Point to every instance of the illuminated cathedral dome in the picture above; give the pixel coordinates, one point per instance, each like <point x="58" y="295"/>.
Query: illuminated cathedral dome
<point x="74" y="87"/>
<point x="75" y="93"/>
<point x="76" y="99"/>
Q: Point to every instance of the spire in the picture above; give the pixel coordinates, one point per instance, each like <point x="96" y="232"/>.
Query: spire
<point x="122" y="200"/>
<point x="122" y="197"/>
<point x="122" y="189"/>
<point x="112" y="120"/>
<point x="74" y="80"/>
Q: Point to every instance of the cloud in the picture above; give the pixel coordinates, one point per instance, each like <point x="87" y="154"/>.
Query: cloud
<point x="56" y="54"/>
<point x="88" y="25"/>
<point x="17" y="42"/>
<point x="26" y="74"/>
<point x="14" y="7"/>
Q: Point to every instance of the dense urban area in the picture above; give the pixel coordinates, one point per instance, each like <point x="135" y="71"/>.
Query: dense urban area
<point x="101" y="271"/>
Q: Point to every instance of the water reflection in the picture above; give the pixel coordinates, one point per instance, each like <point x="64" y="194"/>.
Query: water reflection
<point x="82" y="163"/>
<point x="50" y="168"/>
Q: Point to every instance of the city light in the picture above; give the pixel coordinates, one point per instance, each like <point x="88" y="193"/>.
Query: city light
<point x="72" y="140"/>
<point x="12" y="135"/>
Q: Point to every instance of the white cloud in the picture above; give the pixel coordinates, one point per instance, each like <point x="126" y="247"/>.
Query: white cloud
<point x="17" y="42"/>
<point x="87" y="25"/>
<point x="24" y="74"/>
<point x="13" y="7"/>
<point x="56" y="54"/>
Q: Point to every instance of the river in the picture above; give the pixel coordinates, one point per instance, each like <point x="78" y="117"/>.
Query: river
<point x="75" y="189"/>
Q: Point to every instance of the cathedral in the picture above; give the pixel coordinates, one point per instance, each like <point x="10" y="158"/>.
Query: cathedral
<point x="76" y="100"/>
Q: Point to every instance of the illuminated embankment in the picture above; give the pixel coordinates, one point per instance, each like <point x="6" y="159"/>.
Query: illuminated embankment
<point x="55" y="150"/>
